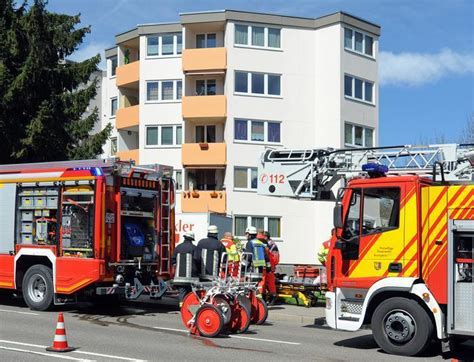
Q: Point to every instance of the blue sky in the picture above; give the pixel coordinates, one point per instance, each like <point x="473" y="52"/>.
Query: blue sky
<point x="426" y="58"/>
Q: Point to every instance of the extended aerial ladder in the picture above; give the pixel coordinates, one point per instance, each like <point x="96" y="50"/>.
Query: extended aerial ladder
<point x="312" y="173"/>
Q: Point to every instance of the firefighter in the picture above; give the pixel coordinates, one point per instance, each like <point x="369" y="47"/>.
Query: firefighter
<point x="324" y="250"/>
<point x="233" y="256"/>
<point x="181" y="250"/>
<point x="274" y="256"/>
<point x="260" y="259"/>
<point x="208" y="254"/>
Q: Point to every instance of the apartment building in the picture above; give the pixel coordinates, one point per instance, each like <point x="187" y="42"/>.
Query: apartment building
<point x="209" y="93"/>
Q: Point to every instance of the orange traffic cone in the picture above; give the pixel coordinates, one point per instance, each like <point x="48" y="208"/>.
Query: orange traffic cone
<point x="60" y="339"/>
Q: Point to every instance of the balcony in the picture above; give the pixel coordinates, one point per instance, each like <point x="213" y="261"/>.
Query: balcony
<point x="194" y="107"/>
<point x="205" y="60"/>
<point x="203" y="154"/>
<point x="129" y="155"/>
<point x="128" y="75"/>
<point x="127" y="117"/>
<point x="203" y="201"/>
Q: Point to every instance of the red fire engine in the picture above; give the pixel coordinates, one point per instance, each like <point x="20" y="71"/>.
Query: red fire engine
<point x="402" y="253"/>
<point x="85" y="228"/>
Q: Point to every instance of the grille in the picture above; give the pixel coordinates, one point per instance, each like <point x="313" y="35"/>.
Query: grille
<point x="351" y="307"/>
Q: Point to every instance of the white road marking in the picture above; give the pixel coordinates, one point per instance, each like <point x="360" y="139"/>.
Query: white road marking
<point x="78" y="352"/>
<point x="17" y="312"/>
<point x="233" y="336"/>
<point x="264" y="340"/>
<point x="42" y="353"/>
<point x="172" y="329"/>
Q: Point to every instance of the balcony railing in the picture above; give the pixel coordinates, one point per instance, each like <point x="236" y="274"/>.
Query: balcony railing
<point x="204" y="106"/>
<point x="128" y="74"/>
<point x="203" y="154"/>
<point x="203" y="201"/>
<point x="127" y="117"/>
<point x="204" y="60"/>
<point x="129" y="155"/>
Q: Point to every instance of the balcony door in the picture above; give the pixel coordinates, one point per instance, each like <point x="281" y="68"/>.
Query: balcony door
<point x="206" y="134"/>
<point x="206" y="40"/>
<point x="206" y="87"/>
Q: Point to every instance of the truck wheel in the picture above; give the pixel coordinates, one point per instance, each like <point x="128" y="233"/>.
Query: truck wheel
<point x="38" y="290"/>
<point x="401" y="326"/>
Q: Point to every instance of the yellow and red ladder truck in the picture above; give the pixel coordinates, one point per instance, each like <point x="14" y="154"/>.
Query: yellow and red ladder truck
<point x="401" y="257"/>
<point x="92" y="228"/>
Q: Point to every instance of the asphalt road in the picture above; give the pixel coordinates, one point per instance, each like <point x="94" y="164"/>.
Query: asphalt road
<point x="149" y="331"/>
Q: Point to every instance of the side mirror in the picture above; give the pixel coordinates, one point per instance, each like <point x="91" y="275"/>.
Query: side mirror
<point x="337" y="216"/>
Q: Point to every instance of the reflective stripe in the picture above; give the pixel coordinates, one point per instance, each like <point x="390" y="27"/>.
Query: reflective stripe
<point x="60" y="338"/>
<point x="60" y="325"/>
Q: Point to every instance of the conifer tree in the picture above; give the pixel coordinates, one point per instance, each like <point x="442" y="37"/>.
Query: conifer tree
<point x="43" y="97"/>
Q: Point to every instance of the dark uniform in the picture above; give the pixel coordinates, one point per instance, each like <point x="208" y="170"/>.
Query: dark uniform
<point x="186" y="247"/>
<point x="206" y="267"/>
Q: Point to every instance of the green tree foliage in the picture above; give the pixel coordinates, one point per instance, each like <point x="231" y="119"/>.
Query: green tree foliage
<point x="43" y="97"/>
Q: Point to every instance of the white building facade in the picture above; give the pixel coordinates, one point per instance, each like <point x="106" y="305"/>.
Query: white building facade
<point x="208" y="94"/>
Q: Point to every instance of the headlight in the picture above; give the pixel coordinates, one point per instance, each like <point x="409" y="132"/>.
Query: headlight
<point x="328" y="303"/>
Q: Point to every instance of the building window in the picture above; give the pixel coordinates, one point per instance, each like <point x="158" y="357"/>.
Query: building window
<point x="359" y="42"/>
<point x="164" y="90"/>
<point x="267" y="223"/>
<point x="179" y="89"/>
<point x="113" y="146"/>
<point x="164" y="45"/>
<point x="113" y="66"/>
<point x="257" y="36"/>
<point x="260" y="83"/>
<point x="206" y="134"/>
<point x="257" y="131"/>
<point x="206" y="87"/>
<point x="113" y="106"/>
<point x="178" y="177"/>
<point x="165" y="136"/>
<point x="358" y="136"/>
<point x="206" y="40"/>
<point x="358" y="89"/>
<point x="245" y="178"/>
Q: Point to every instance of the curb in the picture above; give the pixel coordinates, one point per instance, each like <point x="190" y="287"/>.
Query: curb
<point x="291" y="318"/>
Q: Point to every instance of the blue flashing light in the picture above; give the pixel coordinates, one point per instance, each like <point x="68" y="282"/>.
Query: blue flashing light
<point x="96" y="171"/>
<point x="375" y="169"/>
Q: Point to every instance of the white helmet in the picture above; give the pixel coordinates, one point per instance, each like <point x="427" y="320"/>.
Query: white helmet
<point x="212" y="229"/>
<point x="252" y="230"/>
<point x="189" y="235"/>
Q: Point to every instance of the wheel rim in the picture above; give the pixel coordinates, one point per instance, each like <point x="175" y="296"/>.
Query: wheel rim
<point x="188" y="309"/>
<point x="240" y="318"/>
<point x="37" y="288"/>
<point x="209" y="321"/>
<point x="262" y="312"/>
<point x="399" y="326"/>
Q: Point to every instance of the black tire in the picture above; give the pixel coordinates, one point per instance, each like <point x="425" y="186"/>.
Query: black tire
<point x="403" y="319"/>
<point x="37" y="287"/>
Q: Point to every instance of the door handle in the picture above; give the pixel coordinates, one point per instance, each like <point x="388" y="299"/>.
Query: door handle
<point x="395" y="267"/>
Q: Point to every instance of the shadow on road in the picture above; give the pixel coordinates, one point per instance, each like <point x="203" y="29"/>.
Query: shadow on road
<point x="464" y="352"/>
<point x="124" y="308"/>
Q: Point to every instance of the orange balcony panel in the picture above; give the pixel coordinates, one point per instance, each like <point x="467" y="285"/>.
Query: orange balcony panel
<point x="204" y="106"/>
<point x="204" y="60"/>
<point x="129" y="155"/>
<point x="203" y="154"/>
<point x="203" y="201"/>
<point x="127" y="117"/>
<point x="128" y="74"/>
